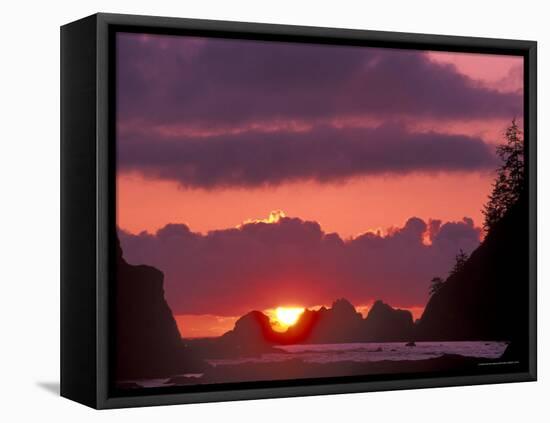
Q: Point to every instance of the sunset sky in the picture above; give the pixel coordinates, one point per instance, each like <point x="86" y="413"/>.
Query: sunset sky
<point x="373" y="163"/>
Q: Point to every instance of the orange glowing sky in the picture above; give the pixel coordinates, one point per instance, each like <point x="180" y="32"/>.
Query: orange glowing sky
<point x="349" y="209"/>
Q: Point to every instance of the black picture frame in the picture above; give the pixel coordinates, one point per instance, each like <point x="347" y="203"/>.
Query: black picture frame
<point x="88" y="196"/>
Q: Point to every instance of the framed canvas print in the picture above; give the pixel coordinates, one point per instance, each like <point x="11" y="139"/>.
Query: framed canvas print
<point x="255" y="211"/>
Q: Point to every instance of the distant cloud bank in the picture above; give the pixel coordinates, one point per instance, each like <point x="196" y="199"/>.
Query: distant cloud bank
<point x="291" y="261"/>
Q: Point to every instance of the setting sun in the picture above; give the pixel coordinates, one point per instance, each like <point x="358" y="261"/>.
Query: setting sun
<point x="287" y="316"/>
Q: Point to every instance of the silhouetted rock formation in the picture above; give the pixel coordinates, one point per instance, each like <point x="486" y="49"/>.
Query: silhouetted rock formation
<point x="148" y="342"/>
<point x="386" y="324"/>
<point x="488" y="298"/>
<point x="340" y="323"/>
<point x="251" y="335"/>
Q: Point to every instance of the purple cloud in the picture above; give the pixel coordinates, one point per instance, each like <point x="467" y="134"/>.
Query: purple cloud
<point x="173" y="79"/>
<point x="322" y="154"/>
<point x="261" y="265"/>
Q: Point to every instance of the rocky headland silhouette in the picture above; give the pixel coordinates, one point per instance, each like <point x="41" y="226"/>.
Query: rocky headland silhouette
<point x="148" y="342"/>
<point x="488" y="297"/>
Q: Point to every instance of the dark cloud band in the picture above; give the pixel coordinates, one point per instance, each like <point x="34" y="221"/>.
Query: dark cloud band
<point x="322" y="154"/>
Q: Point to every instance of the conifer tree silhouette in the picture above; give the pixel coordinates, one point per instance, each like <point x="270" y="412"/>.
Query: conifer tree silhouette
<point x="510" y="177"/>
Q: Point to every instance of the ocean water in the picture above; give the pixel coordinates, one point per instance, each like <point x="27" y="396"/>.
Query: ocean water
<point x="359" y="352"/>
<point x="372" y="351"/>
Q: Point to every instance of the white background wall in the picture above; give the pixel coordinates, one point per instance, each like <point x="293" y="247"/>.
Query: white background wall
<point x="29" y="224"/>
